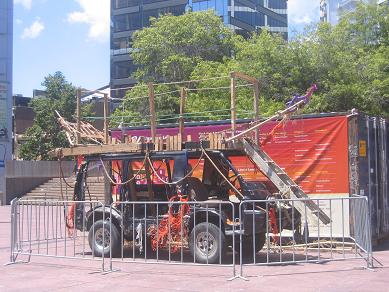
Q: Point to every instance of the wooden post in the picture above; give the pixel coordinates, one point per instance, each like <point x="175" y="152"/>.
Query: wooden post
<point x="78" y="116"/>
<point x="182" y="109"/>
<point x="153" y="120"/>
<point x="106" y="115"/>
<point x="256" y="109"/>
<point x="233" y="103"/>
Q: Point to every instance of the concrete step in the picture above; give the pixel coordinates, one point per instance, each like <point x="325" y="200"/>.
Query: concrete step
<point x="58" y="190"/>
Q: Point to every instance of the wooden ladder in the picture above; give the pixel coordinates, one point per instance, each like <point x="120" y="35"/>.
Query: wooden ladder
<point x="287" y="187"/>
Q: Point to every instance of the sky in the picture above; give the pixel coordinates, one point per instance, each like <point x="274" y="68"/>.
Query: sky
<point x="72" y="36"/>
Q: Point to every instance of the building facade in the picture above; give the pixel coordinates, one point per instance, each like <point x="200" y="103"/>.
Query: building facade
<point x="332" y="10"/>
<point x="127" y="16"/>
<point x="6" y="31"/>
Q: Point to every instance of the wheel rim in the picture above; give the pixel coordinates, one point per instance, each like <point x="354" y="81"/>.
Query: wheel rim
<point x="206" y="243"/>
<point x="102" y="238"/>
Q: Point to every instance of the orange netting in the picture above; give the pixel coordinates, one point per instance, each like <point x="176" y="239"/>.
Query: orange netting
<point x="273" y="224"/>
<point x="171" y="229"/>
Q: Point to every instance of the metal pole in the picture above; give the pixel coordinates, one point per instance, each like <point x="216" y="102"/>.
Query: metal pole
<point x="106" y="115"/>
<point x="233" y="103"/>
<point x="256" y="109"/>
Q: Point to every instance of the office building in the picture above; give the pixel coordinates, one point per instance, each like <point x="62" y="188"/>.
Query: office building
<point x="332" y="10"/>
<point x="6" y="27"/>
<point x="127" y="16"/>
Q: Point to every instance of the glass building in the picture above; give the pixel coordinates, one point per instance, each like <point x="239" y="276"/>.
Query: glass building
<point x="332" y="10"/>
<point x="6" y="22"/>
<point x="127" y="16"/>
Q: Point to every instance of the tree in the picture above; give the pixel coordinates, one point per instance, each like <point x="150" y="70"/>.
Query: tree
<point x="46" y="133"/>
<point x="172" y="46"/>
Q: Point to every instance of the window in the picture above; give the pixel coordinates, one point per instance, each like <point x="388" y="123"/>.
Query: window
<point x="123" y="69"/>
<point x="117" y="4"/>
<point x="124" y="22"/>
<point x="277" y="4"/>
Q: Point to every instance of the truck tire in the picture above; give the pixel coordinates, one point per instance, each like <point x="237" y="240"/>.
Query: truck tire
<point x="248" y="244"/>
<point x="101" y="242"/>
<point x="207" y="246"/>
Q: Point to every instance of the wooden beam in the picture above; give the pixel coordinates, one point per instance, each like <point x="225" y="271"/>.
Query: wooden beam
<point x="256" y="109"/>
<point x="96" y="149"/>
<point x="106" y="115"/>
<point x="153" y="120"/>
<point x="277" y="115"/>
<point x="245" y="77"/>
<point x="233" y="103"/>
<point x="182" y="109"/>
<point x="78" y="116"/>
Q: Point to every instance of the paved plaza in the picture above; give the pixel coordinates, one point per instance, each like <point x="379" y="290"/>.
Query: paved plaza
<point x="52" y="274"/>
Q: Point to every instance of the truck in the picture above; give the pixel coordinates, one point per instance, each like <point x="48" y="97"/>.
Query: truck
<point x="201" y="184"/>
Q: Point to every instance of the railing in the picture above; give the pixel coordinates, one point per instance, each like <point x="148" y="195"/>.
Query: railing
<point x="217" y="233"/>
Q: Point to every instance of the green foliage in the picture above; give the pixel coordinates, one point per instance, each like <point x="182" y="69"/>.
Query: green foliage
<point x="172" y="46"/>
<point x="349" y="62"/>
<point x="46" y="133"/>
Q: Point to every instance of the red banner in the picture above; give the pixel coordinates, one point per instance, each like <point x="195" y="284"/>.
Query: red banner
<point x="314" y="151"/>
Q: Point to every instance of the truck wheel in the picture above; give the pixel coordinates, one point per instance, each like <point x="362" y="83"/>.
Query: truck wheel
<point x="207" y="246"/>
<point x="101" y="242"/>
<point x="248" y="244"/>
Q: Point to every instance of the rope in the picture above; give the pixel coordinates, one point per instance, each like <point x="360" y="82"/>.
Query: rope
<point x="126" y="182"/>
<point x="180" y="180"/>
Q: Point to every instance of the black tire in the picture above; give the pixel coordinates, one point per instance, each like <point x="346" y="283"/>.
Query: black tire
<point x="197" y="190"/>
<point x="199" y="245"/>
<point x="95" y="238"/>
<point x="248" y="244"/>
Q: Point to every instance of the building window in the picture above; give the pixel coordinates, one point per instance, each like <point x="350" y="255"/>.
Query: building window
<point x="277" y="4"/>
<point x="123" y="69"/>
<point x="117" y="4"/>
<point x="124" y="22"/>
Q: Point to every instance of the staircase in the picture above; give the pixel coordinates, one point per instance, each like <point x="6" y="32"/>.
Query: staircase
<point x="51" y="190"/>
<point x="287" y="187"/>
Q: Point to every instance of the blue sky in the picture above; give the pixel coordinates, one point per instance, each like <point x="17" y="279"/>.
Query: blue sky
<point x="72" y="36"/>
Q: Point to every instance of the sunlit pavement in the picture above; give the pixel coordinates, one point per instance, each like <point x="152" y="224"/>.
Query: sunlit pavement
<point x="51" y="274"/>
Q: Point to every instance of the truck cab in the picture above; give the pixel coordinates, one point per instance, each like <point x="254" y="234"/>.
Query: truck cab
<point x="144" y="186"/>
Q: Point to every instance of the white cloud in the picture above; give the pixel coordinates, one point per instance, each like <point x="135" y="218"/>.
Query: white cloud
<point x="25" y="3"/>
<point x="34" y="30"/>
<point x="94" y="13"/>
<point x="303" y="11"/>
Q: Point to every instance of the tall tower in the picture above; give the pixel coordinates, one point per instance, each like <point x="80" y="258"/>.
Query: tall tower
<point x="6" y="28"/>
<point x="332" y="10"/>
<point x="127" y="16"/>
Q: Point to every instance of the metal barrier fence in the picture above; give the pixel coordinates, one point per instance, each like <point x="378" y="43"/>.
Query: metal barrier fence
<point x="291" y="237"/>
<point x="260" y="232"/>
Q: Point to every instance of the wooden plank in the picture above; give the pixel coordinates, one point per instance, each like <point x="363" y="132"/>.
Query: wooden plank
<point x="175" y="142"/>
<point x="179" y="142"/>
<point x="244" y="76"/>
<point x="153" y="120"/>
<point x="161" y="142"/>
<point x="210" y="138"/>
<point x="96" y="149"/>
